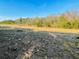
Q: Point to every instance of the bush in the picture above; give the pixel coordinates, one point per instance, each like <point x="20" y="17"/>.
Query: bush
<point x="58" y="21"/>
<point x="7" y="22"/>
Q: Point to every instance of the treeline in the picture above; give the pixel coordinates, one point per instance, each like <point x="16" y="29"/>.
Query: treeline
<point x="7" y="22"/>
<point x="61" y="21"/>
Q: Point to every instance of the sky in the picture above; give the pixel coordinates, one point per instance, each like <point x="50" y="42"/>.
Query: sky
<point x="12" y="9"/>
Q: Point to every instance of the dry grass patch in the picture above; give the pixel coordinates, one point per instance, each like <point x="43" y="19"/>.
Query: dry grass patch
<point x="45" y="28"/>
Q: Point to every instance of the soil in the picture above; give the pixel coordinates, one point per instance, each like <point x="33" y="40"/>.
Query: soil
<point x="28" y="44"/>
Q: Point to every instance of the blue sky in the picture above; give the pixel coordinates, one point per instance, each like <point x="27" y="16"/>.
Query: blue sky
<point x="11" y="9"/>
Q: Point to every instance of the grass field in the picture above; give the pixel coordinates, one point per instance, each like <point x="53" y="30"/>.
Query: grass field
<point x="45" y="28"/>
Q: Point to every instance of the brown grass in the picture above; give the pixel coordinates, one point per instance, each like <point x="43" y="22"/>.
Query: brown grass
<point x="45" y="28"/>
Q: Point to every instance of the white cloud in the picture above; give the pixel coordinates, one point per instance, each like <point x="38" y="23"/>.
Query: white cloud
<point x="7" y="18"/>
